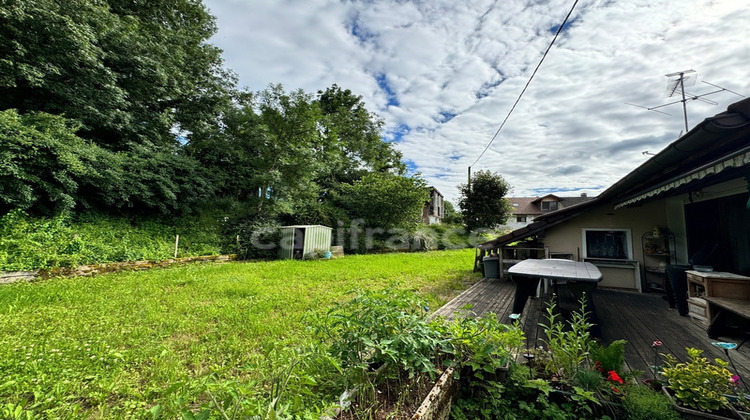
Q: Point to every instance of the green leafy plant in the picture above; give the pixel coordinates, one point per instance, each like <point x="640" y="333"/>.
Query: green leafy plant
<point x="483" y="345"/>
<point x="569" y="345"/>
<point x="563" y="381"/>
<point x="378" y="335"/>
<point x="611" y="357"/>
<point x="643" y="403"/>
<point x="698" y="383"/>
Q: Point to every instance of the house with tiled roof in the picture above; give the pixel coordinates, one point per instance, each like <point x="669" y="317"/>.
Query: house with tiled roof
<point x="526" y="209"/>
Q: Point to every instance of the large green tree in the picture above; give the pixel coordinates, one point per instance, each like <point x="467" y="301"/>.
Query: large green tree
<point x="482" y="202"/>
<point x="386" y="201"/>
<point x="268" y="152"/>
<point x="128" y="71"/>
<point x="128" y="82"/>
<point x="291" y="153"/>
<point x="48" y="169"/>
<point x="354" y="136"/>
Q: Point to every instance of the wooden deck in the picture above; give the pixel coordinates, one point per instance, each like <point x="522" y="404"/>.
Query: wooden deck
<point x="639" y="318"/>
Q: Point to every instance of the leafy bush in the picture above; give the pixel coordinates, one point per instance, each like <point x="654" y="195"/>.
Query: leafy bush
<point x="377" y="327"/>
<point x="697" y="383"/>
<point x="481" y="345"/>
<point x="257" y="238"/>
<point x="643" y="403"/>
<point x="446" y="237"/>
<point x="610" y="358"/>
<point x="42" y="162"/>
<point x="28" y="243"/>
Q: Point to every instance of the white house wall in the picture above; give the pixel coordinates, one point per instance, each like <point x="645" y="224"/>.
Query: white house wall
<point x="566" y="237"/>
<point x="513" y="225"/>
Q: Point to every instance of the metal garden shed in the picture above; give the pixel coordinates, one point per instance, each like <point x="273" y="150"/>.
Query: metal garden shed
<point x="298" y="241"/>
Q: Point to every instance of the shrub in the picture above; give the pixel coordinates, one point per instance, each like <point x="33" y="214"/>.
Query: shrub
<point x="255" y="238"/>
<point x="28" y="243"/>
<point x="609" y="357"/>
<point x="697" y="383"/>
<point x="643" y="403"/>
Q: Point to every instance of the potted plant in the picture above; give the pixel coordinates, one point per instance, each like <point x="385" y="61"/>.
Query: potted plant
<point x="699" y="388"/>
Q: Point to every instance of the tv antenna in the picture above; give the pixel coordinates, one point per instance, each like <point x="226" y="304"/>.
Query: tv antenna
<point x="676" y="87"/>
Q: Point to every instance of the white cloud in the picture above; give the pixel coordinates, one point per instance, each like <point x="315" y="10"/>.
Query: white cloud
<point x="454" y="69"/>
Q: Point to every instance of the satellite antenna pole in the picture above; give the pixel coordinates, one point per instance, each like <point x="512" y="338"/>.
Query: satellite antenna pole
<point x="679" y="80"/>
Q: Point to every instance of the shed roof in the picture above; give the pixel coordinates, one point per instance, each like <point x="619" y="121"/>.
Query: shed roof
<point x="306" y="226"/>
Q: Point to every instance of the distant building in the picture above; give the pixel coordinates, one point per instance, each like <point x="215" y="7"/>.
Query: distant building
<point x="434" y="209"/>
<point x="526" y="209"/>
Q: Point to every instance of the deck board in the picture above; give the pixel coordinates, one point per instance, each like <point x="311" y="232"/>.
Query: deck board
<point x="638" y="318"/>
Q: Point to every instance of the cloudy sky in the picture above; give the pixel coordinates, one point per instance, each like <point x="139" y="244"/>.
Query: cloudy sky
<point x="444" y="74"/>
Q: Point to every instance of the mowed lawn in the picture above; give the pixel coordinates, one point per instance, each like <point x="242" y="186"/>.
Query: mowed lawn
<point x="117" y="345"/>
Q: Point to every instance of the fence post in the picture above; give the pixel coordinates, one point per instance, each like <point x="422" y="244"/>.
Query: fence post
<point x="176" y="244"/>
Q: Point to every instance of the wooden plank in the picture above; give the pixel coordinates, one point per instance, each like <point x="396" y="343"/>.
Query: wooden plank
<point x="643" y="318"/>
<point x="638" y="318"/>
<point x="740" y="307"/>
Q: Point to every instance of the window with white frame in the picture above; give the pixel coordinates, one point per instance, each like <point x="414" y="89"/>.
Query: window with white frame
<point x="612" y="244"/>
<point x="520" y="219"/>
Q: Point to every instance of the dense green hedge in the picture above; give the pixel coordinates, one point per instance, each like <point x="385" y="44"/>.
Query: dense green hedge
<point x="28" y="243"/>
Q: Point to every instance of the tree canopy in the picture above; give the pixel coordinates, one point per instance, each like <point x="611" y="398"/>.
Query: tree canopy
<point x="126" y="71"/>
<point x="483" y="203"/>
<point x="124" y="107"/>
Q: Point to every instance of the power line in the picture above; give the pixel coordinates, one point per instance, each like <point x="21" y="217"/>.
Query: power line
<point x="527" y="83"/>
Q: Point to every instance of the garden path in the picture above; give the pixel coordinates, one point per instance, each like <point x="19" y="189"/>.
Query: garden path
<point x="639" y="318"/>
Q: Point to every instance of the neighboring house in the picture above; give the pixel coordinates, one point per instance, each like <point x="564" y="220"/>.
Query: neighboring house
<point x="695" y="192"/>
<point x="434" y="209"/>
<point x="526" y="209"/>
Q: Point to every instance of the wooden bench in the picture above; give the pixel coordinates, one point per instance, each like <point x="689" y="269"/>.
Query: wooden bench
<point x="723" y="311"/>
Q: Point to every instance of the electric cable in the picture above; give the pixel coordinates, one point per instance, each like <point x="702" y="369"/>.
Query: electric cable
<point x="527" y="83"/>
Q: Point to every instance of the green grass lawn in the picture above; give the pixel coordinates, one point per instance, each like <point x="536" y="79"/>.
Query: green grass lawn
<point x="118" y="345"/>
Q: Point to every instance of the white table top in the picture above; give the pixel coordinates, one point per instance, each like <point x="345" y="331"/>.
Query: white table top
<point x="557" y="269"/>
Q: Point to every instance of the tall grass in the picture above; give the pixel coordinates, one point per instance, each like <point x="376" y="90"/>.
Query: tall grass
<point x="28" y="243"/>
<point x="163" y="342"/>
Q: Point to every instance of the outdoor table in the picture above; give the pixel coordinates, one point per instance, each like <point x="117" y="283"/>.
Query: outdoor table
<point x="580" y="277"/>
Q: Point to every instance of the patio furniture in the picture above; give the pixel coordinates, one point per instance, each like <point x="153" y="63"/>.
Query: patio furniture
<point x="676" y="287"/>
<point x="726" y="314"/>
<point x="578" y="277"/>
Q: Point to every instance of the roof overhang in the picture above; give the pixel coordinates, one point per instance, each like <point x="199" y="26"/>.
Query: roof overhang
<point x="737" y="160"/>
<point x="537" y="227"/>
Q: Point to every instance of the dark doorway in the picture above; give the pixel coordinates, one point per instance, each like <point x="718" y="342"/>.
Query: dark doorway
<point x="299" y="243"/>
<point x="725" y="221"/>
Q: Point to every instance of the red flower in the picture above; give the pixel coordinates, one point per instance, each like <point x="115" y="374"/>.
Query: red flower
<point x="598" y="366"/>
<point x="614" y="377"/>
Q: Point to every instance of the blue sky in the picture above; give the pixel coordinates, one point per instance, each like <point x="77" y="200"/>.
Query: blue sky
<point x="443" y="74"/>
